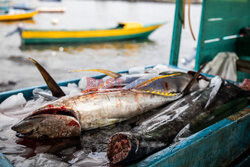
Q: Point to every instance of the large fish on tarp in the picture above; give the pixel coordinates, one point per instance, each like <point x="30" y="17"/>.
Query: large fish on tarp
<point x="200" y="109"/>
<point x="70" y="115"/>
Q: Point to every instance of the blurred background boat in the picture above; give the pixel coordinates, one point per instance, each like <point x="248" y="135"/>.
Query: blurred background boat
<point x="15" y="15"/>
<point x="10" y="13"/>
<point x="124" y="31"/>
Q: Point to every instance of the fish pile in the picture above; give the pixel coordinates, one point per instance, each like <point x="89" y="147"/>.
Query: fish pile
<point x="130" y="116"/>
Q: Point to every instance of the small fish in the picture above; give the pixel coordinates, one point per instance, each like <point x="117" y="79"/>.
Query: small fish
<point x="69" y="115"/>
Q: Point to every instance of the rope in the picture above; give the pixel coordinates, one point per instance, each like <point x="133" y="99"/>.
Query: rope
<point x="189" y="20"/>
<point x="183" y="11"/>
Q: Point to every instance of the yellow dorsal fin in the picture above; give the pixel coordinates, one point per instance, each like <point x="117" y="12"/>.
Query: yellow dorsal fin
<point x="107" y="72"/>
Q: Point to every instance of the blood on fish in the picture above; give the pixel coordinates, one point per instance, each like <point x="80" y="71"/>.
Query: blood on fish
<point x="90" y="90"/>
<point x="166" y="85"/>
<point x="63" y="107"/>
<point x="73" y="123"/>
<point x="50" y="106"/>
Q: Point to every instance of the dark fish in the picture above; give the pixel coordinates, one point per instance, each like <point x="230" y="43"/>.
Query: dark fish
<point x="156" y="132"/>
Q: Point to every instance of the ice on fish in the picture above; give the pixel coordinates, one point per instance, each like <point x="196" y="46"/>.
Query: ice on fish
<point x="71" y="89"/>
<point x="203" y="84"/>
<point x="14" y="101"/>
<point x="5" y="122"/>
<point x="33" y="104"/>
<point x="15" y="159"/>
<point x="36" y="92"/>
<point x="77" y="156"/>
<point x="83" y="83"/>
<point x="41" y="97"/>
<point x="42" y="160"/>
<point x="92" y="159"/>
<point x="44" y="94"/>
<point x="5" y="119"/>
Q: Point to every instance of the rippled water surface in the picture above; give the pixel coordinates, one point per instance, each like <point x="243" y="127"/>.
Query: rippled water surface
<point x="17" y="72"/>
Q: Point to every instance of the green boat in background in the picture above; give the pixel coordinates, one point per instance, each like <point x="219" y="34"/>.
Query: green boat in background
<point x="124" y="31"/>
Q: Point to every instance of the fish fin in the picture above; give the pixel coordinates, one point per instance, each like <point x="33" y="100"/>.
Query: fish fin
<point x="216" y="82"/>
<point x="53" y="86"/>
<point x="192" y="73"/>
<point x="191" y="82"/>
<point x="107" y="72"/>
<point x="167" y="72"/>
<point x="147" y="82"/>
<point x="183" y="133"/>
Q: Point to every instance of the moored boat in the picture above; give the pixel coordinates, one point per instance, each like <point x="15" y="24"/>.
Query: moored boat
<point x="124" y="31"/>
<point x="14" y="16"/>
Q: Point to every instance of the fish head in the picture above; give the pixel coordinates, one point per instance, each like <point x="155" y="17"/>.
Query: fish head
<point x="49" y="123"/>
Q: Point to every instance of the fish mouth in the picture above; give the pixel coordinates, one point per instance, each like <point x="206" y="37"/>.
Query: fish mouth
<point x="24" y="135"/>
<point x="55" y="111"/>
<point x="49" y="123"/>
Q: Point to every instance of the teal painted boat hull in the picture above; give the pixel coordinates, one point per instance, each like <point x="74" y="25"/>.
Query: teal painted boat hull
<point x="4" y="162"/>
<point x="217" y="145"/>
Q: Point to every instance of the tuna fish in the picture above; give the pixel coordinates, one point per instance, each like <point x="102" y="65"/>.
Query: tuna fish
<point x="69" y="115"/>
